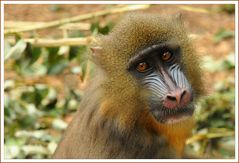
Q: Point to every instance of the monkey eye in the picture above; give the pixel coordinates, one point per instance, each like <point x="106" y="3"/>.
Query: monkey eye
<point x="142" y="67"/>
<point x="166" y="56"/>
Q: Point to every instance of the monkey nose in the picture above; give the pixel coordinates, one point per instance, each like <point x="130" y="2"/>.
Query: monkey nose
<point x="177" y="98"/>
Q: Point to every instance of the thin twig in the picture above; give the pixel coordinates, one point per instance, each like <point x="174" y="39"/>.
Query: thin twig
<point x="16" y="25"/>
<point x="20" y="24"/>
<point x="76" y="26"/>
<point x="77" y="18"/>
<point x="209" y="136"/>
<point x="194" y="9"/>
<point x="40" y="42"/>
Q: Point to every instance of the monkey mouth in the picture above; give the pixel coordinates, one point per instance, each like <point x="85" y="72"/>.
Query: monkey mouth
<point x="170" y="116"/>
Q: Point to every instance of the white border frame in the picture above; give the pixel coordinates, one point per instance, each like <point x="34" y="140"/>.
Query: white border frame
<point x="119" y="2"/>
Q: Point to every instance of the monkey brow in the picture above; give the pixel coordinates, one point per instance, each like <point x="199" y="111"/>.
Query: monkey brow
<point x="149" y="51"/>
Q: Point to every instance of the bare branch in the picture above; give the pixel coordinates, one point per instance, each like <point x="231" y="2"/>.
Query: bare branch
<point x="40" y="42"/>
<point x="77" y="18"/>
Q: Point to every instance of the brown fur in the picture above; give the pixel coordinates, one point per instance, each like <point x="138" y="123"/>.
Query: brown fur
<point x="113" y="120"/>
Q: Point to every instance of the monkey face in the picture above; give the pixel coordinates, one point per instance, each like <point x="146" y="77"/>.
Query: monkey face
<point x="159" y="70"/>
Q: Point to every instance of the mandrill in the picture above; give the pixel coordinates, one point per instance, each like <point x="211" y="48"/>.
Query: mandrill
<point x="141" y="101"/>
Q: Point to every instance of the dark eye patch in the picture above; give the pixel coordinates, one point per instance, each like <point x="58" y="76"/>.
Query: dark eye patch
<point x="153" y="51"/>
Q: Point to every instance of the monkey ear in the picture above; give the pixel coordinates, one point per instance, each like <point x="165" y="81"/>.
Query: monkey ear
<point x="96" y="52"/>
<point x="96" y="47"/>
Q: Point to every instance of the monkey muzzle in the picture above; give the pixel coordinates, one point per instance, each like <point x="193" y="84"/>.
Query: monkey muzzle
<point x="177" y="105"/>
<point x="177" y="98"/>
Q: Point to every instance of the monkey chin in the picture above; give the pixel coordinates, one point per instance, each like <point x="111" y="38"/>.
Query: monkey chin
<point x="176" y="119"/>
<point x="168" y="116"/>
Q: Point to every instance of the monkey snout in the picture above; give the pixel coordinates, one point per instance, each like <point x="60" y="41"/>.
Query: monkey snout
<point x="177" y="98"/>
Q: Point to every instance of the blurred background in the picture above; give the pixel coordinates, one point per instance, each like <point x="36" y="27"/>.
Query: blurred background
<point x="46" y="49"/>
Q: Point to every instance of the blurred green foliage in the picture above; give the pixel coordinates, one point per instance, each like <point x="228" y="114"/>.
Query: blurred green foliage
<point x="215" y="114"/>
<point x="223" y="34"/>
<point x="229" y="8"/>
<point x="36" y="112"/>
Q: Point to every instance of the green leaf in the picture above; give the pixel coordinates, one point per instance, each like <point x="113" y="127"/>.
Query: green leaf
<point x="229" y="8"/>
<point x="7" y="48"/>
<point x="52" y="147"/>
<point x="12" y="147"/>
<point x="223" y="34"/>
<point x="34" y="149"/>
<point x="55" y="7"/>
<point x="57" y="67"/>
<point x="59" y="124"/>
<point x="212" y="65"/>
<point x="96" y="28"/>
<point x="16" y="51"/>
<point x="55" y="62"/>
<point x="77" y="51"/>
<point x="36" y="53"/>
<point x="229" y="62"/>
<point x="52" y="51"/>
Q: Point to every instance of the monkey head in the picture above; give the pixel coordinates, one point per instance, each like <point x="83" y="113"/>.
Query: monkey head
<point x="151" y="57"/>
